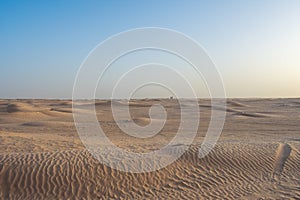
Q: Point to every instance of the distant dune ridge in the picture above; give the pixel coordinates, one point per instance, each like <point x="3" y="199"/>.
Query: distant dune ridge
<point x="257" y="156"/>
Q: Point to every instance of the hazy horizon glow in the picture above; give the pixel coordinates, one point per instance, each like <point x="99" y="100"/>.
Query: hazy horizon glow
<point x="254" y="44"/>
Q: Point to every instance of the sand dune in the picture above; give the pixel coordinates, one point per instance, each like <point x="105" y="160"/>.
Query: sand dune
<point x="257" y="156"/>
<point x="64" y="110"/>
<point x="235" y="103"/>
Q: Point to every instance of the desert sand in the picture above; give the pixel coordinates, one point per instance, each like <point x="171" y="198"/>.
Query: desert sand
<point x="256" y="157"/>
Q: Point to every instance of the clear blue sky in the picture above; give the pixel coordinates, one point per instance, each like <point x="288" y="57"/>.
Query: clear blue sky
<point x="254" y="43"/>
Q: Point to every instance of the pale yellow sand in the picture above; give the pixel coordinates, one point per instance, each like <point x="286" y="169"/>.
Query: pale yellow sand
<point x="257" y="156"/>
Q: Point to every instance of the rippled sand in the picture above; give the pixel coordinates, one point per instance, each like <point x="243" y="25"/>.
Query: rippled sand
<point x="257" y="156"/>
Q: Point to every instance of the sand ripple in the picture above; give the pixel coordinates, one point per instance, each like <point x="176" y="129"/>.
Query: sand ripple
<point x="231" y="171"/>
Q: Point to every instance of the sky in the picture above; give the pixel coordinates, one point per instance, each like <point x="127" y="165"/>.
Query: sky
<point x="255" y="44"/>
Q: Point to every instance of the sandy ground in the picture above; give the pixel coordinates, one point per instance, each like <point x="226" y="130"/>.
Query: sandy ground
<point x="257" y="156"/>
